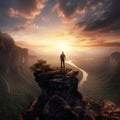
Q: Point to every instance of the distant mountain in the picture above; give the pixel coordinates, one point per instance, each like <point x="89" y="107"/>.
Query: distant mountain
<point x="12" y="56"/>
<point x="112" y="77"/>
<point x="14" y="68"/>
<point x="114" y="66"/>
<point x="17" y="85"/>
<point x="104" y="81"/>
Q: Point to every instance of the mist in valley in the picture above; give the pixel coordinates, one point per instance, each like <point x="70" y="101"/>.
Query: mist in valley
<point x="99" y="84"/>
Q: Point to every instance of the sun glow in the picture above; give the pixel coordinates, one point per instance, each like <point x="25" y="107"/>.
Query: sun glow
<point x="63" y="47"/>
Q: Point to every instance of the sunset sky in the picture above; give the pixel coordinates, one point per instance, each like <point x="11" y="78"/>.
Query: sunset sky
<point x="56" y="25"/>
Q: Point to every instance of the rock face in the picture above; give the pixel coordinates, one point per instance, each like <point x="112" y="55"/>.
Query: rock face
<point x="114" y="66"/>
<point x="115" y="61"/>
<point x="111" y="78"/>
<point x="11" y="56"/>
<point x="17" y="85"/>
<point x="104" y="81"/>
<point x="14" y="68"/>
<point x="60" y="99"/>
<point x="55" y="81"/>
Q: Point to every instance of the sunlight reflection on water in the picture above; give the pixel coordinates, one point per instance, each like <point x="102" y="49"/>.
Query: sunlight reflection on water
<point x="85" y="74"/>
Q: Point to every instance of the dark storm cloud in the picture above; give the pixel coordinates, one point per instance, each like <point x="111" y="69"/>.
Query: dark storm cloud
<point x="114" y="28"/>
<point x="15" y="13"/>
<point x="27" y="9"/>
<point x="69" y="7"/>
<point x="94" y="2"/>
<point x="26" y="6"/>
<point x="107" y="20"/>
<point x="92" y="15"/>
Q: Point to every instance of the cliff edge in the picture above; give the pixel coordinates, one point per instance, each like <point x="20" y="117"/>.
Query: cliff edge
<point x="60" y="99"/>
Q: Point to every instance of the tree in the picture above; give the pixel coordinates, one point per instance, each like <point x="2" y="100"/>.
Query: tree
<point x="41" y="66"/>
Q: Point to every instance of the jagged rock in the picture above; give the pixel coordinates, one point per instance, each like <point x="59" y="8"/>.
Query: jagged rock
<point x="110" y="111"/>
<point x="60" y="99"/>
<point x="55" y="80"/>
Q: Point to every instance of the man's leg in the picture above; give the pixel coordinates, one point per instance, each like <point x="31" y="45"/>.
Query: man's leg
<point x="63" y="64"/>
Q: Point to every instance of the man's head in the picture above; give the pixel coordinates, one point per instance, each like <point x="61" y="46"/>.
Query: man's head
<point x="62" y="52"/>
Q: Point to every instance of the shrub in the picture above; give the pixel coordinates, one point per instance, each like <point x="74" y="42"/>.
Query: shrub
<point x="41" y="65"/>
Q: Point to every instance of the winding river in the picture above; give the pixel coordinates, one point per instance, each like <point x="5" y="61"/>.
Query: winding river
<point x="85" y="75"/>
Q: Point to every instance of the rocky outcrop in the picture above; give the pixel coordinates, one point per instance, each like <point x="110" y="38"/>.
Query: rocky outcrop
<point x="60" y="99"/>
<point x="53" y="81"/>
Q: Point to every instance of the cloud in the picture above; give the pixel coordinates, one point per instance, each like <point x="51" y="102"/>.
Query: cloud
<point x="105" y="44"/>
<point x="68" y="9"/>
<point x="92" y="20"/>
<point x="20" y="28"/>
<point x="27" y="26"/>
<point x="27" y="9"/>
<point x="44" y="19"/>
<point x="74" y="10"/>
<point x="103" y="21"/>
<point x="104" y="18"/>
<point x="12" y="13"/>
<point x="81" y="12"/>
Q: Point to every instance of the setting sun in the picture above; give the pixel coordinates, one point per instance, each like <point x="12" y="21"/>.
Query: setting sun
<point x="62" y="46"/>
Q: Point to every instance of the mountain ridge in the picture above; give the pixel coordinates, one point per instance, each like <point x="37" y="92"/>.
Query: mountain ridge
<point x="17" y="85"/>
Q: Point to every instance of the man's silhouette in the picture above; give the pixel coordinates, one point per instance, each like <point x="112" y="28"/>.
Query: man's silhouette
<point x="62" y="58"/>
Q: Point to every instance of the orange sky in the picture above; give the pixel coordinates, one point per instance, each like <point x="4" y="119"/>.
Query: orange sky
<point x="62" y="25"/>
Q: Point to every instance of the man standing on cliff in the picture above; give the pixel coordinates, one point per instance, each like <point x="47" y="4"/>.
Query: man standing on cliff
<point x="62" y="59"/>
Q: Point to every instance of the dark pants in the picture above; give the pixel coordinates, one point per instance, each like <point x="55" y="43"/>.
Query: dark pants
<point x="62" y="64"/>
